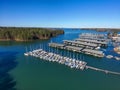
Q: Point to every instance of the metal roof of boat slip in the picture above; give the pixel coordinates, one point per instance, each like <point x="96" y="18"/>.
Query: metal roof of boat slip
<point x="81" y="43"/>
<point x="93" y="41"/>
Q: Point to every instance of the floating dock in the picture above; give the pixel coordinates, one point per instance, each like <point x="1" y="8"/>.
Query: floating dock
<point x="72" y="63"/>
<point x="96" y="53"/>
<point x="56" y="45"/>
<point x="72" y="48"/>
<point x="89" y="46"/>
<point x="99" y="43"/>
<point x="81" y="44"/>
<point x="52" y="57"/>
<point x="92" y="35"/>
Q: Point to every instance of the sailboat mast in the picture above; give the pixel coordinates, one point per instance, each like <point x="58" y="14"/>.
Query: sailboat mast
<point x="73" y="54"/>
<point x="26" y="49"/>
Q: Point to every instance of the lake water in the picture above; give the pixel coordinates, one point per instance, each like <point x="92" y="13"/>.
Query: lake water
<point x="18" y="72"/>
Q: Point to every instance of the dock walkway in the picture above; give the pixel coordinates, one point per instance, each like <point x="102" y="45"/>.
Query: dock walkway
<point x="102" y="70"/>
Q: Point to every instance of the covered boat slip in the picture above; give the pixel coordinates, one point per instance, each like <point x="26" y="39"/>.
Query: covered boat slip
<point x="102" y="43"/>
<point x="94" y="38"/>
<point x="56" y="45"/>
<point x="92" y="35"/>
<point x="86" y="51"/>
<point x="78" y="49"/>
<point x="78" y="43"/>
<point x="94" y="52"/>
<point x="72" y="48"/>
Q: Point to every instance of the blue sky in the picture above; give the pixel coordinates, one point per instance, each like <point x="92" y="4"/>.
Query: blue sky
<point x="60" y="13"/>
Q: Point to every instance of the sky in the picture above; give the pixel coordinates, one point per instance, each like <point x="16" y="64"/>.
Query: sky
<point x="60" y="13"/>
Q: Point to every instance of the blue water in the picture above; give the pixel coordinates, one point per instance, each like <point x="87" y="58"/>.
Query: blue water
<point x="18" y="72"/>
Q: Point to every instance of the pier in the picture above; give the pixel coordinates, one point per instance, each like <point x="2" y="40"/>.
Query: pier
<point x="94" y="52"/>
<point x="88" y="43"/>
<point x="92" y="36"/>
<point x="78" y="43"/>
<point x="84" y="50"/>
<point x="52" y="57"/>
<point x="100" y="43"/>
<point x="97" y="39"/>
<point x="102" y="70"/>
<point x="72" y="48"/>
<point x="56" y="45"/>
<point x="70" y="62"/>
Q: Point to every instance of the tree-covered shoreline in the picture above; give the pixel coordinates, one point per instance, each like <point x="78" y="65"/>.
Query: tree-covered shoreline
<point x="27" y="34"/>
<point x="103" y="29"/>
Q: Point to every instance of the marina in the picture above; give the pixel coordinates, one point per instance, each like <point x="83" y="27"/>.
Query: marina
<point x="48" y="66"/>
<point x="59" y="44"/>
<point x="90" y="46"/>
<point x="87" y="46"/>
<point x="70" y="62"/>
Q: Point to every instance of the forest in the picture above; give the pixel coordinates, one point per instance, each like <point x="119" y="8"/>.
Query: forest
<point x="27" y="34"/>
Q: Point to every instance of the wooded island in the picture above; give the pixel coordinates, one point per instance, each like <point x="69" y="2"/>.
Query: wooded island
<point x="27" y="34"/>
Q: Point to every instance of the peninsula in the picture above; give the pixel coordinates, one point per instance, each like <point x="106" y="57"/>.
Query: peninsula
<point x="27" y="34"/>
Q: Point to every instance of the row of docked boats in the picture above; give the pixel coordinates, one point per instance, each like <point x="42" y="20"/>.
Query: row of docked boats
<point x="70" y="62"/>
<point x="52" y="57"/>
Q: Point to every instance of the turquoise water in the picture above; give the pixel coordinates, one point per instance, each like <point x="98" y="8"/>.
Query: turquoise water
<point x="18" y="72"/>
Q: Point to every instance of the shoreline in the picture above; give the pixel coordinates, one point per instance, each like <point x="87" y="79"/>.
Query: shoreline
<point x="102" y="29"/>
<point x="22" y="34"/>
<point x="96" y="29"/>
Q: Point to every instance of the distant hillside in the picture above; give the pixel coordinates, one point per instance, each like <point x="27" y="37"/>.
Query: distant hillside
<point x="26" y="34"/>
<point x="102" y="29"/>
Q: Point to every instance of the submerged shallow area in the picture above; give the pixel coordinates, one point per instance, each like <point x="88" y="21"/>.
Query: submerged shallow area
<point x="28" y="73"/>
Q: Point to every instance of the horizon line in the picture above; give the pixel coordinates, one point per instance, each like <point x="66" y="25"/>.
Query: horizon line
<point x="64" y="27"/>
